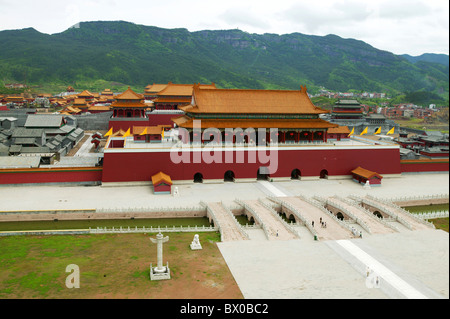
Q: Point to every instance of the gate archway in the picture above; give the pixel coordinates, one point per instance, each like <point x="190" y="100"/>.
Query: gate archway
<point x="296" y="174"/>
<point x="228" y="176"/>
<point x="261" y="176"/>
<point x="198" y="178"/>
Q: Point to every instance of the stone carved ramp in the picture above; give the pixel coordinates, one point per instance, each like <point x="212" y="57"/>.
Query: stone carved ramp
<point x="406" y="218"/>
<point x="229" y="227"/>
<point x="375" y="226"/>
<point x="272" y="225"/>
<point x="333" y="231"/>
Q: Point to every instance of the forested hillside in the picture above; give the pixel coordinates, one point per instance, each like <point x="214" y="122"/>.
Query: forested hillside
<point x="139" y="55"/>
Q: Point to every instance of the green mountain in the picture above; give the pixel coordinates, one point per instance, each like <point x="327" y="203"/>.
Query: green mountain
<point x="139" y="55"/>
<point x="428" y="57"/>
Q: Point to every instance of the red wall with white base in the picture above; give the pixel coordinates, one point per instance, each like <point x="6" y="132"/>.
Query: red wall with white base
<point x="140" y="166"/>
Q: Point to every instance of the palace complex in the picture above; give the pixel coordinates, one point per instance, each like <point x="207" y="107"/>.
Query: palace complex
<point x="199" y="133"/>
<point x="243" y="135"/>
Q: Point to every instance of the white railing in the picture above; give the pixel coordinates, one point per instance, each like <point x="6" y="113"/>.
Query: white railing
<point x="214" y="217"/>
<point x="385" y="221"/>
<point x="278" y="217"/>
<point x="360" y="222"/>
<point x="254" y="214"/>
<point x="418" y="198"/>
<point x="384" y="209"/>
<point x="432" y="215"/>
<point x="402" y="210"/>
<point x="143" y="209"/>
<point x="237" y="224"/>
<point x="151" y="229"/>
<point x="326" y="211"/>
<point x="305" y="221"/>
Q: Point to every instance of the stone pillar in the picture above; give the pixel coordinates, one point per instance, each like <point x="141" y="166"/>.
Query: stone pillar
<point x="160" y="272"/>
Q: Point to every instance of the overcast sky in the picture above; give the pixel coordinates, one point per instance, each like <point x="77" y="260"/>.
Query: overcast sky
<point x="400" y="26"/>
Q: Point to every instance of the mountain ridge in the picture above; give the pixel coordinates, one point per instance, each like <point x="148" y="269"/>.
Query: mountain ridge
<point x="134" y="54"/>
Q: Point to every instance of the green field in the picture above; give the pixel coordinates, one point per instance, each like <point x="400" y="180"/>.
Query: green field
<point x="112" y="266"/>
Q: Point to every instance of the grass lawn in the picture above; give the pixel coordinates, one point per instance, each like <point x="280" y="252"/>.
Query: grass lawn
<point x="440" y="223"/>
<point x="113" y="266"/>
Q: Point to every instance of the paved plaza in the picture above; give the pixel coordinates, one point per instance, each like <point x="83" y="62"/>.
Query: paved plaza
<point x="409" y="264"/>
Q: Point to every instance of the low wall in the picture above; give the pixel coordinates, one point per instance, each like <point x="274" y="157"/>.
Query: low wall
<point x="51" y="175"/>
<point x="10" y="216"/>
<point x="424" y="165"/>
<point x="422" y="202"/>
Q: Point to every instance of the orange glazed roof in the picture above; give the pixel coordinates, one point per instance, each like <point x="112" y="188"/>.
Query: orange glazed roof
<point x="339" y="129"/>
<point x="155" y="88"/>
<point x="161" y="177"/>
<point x="183" y="89"/>
<point x="129" y="94"/>
<point x="172" y="100"/>
<point x="86" y="93"/>
<point x="365" y="173"/>
<point x="129" y="98"/>
<point x="187" y="122"/>
<point x="251" y="102"/>
<point x="150" y="129"/>
<point x="80" y="103"/>
<point x="99" y="108"/>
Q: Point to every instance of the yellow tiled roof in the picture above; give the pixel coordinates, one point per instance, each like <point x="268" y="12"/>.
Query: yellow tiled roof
<point x="251" y="102"/>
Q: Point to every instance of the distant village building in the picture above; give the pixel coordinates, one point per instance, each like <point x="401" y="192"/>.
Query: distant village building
<point x="350" y="113"/>
<point x="347" y="110"/>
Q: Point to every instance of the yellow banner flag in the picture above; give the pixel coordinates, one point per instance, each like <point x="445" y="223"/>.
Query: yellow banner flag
<point x="162" y="134"/>
<point x="353" y="131"/>
<point x="365" y="131"/>
<point x="391" y="131"/>
<point x="378" y="130"/>
<point x="127" y="133"/>
<point x="109" y="132"/>
<point x="144" y="131"/>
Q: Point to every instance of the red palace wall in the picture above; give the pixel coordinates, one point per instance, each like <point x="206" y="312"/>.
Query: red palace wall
<point x="140" y="166"/>
<point x="45" y="175"/>
<point x="125" y="125"/>
<point x="431" y="165"/>
<point x="161" y="119"/>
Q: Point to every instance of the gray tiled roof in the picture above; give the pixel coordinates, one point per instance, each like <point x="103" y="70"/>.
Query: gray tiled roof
<point x="37" y="149"/>
<point x="44" y="120"/>
<point x="27" y="132"/>
<point x="25" y="140"/>
<point x="19" y="161"/>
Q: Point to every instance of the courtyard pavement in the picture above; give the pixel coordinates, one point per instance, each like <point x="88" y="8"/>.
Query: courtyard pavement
<point x="410" y="264"/>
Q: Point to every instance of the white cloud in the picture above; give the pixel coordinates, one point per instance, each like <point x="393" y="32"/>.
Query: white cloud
<point x="244" y="16"/>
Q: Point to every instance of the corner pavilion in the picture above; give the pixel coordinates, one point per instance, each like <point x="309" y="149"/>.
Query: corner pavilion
<point x="291" y="112"/>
